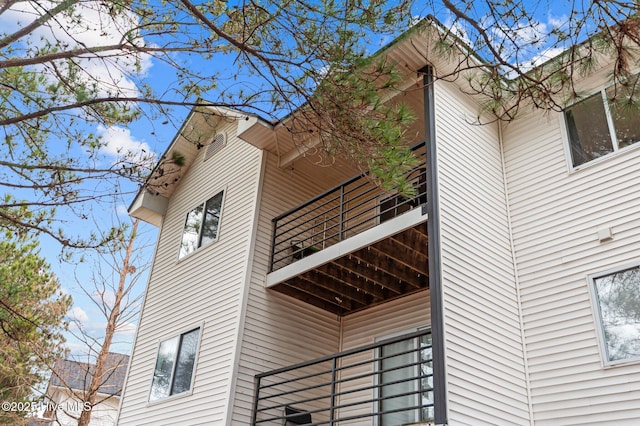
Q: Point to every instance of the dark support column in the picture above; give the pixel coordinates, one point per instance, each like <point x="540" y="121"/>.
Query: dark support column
<point x="433" y="229"/>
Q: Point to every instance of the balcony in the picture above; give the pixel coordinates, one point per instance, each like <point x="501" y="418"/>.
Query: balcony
<point x="390" y="381"/>
<point x="353" y="246"/>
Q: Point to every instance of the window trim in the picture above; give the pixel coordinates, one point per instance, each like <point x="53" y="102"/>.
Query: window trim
<point x="178" y="333"/>
<point x="597" y="315"/>
<point x="186" y="216"/>
<point x="613" y="137"/>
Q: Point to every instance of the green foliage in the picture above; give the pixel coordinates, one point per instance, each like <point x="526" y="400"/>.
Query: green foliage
<point x="32" y="310"/>
<point x="355" y="122"/>
<point x="516" y="56"/>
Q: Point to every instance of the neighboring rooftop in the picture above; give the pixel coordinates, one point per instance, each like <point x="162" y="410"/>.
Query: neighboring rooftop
<point x="77" y="375"/>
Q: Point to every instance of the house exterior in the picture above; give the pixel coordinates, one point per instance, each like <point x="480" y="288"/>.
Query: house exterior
<point x="63" y="397"/>
<point x="281" y="290"/>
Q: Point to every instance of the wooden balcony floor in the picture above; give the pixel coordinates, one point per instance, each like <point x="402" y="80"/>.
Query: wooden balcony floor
<point x="390" y="268"/>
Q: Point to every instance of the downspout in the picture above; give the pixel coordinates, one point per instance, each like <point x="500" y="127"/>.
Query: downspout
<point x="516" y="279"/>
<point x="433" y="241"/>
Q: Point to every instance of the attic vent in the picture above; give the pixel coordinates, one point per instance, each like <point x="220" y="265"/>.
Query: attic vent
<point x="216" y="144"/>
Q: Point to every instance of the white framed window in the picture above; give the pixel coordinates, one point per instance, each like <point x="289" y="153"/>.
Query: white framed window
<point x="201" y="225"/>
<point x="616" y="301"/>
<point x="603" y="123"/>
<point x="175" y="363"/>
<point x="405" y="381"/>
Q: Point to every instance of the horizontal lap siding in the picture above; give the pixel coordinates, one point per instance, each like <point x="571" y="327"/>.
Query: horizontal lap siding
<point x="204" y="287"/>
<point x="556" y="215"/>
<point x="278" y="330"/>
<point x="486" y="381"/>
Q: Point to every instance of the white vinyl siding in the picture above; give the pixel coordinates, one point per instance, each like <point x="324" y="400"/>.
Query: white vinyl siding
<point x="556" y="215"/>
<point x="486" y="375"/>
<point x="278" y="330"/>
<point x="205" y="287"/>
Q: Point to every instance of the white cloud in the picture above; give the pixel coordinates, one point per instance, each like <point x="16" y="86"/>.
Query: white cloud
<point x="126" y="330"/>
<point x="78" y="314"/>
<point x="122" y="210"/>
<point x="458" y="29"/>
<point x="541" y="58"/>
<point x="558" y="22"/>
<point x="118" y="143"/>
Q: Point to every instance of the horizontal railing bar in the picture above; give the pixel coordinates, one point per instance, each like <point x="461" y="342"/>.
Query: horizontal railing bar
<point x="380" y="385"/>
<point x="344" y="353"/>
<point x="301" y="401"/>
<point x="308" y="388"/>
<point x="340" y="376"/>
<point x="350" y="378"/>
<point x="311" y="238"/>
<point x="329" y="202"/>
<point x="297" y="379"/>
<point x="379" y="399"/>
<point x="316" y="198"/>
<point x="335" y="188"/>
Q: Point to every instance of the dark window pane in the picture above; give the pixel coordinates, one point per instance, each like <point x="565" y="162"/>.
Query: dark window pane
<point x="588" y="130"/>
<point x="191" y="231"/>
<point x="164" y="367"/>
<point x="626" y="118"/>
<point x="618" y="298"/>
<point x="185" y="362"/>
<point x="211" y="219"/>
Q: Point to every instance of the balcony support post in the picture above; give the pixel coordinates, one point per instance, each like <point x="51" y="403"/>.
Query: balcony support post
<point x="433" y="241"/>
<point x="332" y="400"/>
<point x="341" y="220"/>
<point x="256" y="400"/>
<point x="273" y="244"/>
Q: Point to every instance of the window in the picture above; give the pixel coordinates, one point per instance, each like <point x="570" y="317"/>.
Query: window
<point x="603" y="123"/>
<point x="201" y="225"/>
<point x="616" y="298"/>
<point x="174" y="365"/>
<point x="405" y="380"/>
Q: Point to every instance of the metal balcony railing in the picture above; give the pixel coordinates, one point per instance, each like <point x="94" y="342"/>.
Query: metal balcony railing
<point x="341" y="212"/>
<point x="390" y="381"/>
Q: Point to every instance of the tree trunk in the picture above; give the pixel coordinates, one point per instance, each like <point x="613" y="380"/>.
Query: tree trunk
<point x="99" y="373"/>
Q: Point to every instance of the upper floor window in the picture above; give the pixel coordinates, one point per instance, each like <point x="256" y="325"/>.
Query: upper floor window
<point x="616" y="298"/>
<point x="603" y="123"/>
<point x="201" y="225"/>
<point x="174" y="365"/>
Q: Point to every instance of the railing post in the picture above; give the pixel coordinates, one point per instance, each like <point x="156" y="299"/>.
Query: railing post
<point x="254" y="416"/>
<point x="340" y="225"/>
<point x="273" y="245"/>
<point x="332" y="403"/>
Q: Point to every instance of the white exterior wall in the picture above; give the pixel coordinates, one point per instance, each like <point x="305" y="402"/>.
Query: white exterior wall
<point x="69" y="409"/>
<point x="556" y="214"/>
<point x="485" y="371"/>
<point x="277" y="330"/>
<point x="204" y="289"/>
